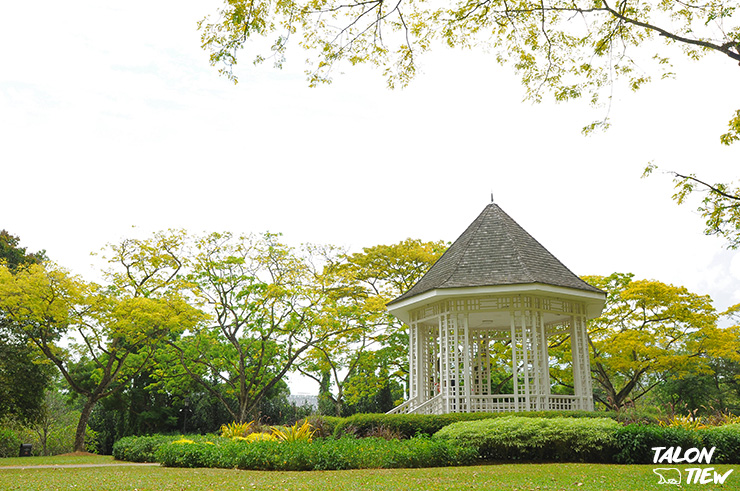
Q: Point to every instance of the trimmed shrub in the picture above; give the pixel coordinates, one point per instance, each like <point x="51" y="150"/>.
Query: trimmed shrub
<point x="140" y="448"/>
<point x="543" y="439"/>
<point x="326" y="454"/>
<point x="408" y="425"/>
<point x="727" y="440"/>
<point x="634" y="442"/>
<point x="9" y="443"/>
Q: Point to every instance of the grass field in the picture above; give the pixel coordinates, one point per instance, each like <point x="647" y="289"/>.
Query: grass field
<point x="521" y="477"/>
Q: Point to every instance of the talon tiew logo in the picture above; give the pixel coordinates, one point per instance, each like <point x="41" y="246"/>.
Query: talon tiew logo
<point x="694" y="475"/>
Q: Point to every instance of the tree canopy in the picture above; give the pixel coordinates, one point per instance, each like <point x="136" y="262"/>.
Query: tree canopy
<point x="98" y="338"/>
<point x="369" y="359"/>
<point x="23" y="375"/>
<point x="650" y="330"/>
<point x="720" y="204"/>
<point x="571" y="49"/>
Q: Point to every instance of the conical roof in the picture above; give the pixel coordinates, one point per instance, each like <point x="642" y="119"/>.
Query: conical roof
<point x="496" y="251"/>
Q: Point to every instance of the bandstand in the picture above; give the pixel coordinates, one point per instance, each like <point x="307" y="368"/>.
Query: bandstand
<point x="495" y="290"/>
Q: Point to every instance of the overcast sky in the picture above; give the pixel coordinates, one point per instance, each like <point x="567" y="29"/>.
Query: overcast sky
<point x="111" y="117"/>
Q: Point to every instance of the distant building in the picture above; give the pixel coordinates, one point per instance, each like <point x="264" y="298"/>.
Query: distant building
<point x="301" y="400"/>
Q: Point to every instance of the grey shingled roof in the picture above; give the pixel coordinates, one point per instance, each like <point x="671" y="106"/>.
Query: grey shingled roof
<point x="493" y="251"/>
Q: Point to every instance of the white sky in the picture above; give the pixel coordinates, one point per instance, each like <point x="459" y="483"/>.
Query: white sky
<point x="111" y="117"/>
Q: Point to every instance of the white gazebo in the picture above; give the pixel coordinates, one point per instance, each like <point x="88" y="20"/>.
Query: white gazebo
<point x="495" y="289"/>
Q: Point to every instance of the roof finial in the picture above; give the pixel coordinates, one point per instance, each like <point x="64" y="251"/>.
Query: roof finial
<point x="491" y="196"/>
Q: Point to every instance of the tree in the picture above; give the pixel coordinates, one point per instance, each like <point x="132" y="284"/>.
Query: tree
<point x="371" y="356"/>
<point x="260" y="298"/>
<point x="16" y="256"/>
<point x="97" y="338"/>
<point x="55" y="417"/>
<point x="720" y="206"/>
<point x="23" y="375"/>
<point x="573" y="49"/>
<point x="23" y="379"/>
<point x="650" y="330"/>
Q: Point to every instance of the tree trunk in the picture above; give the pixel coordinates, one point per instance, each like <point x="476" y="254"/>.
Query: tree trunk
<point x="82" y="425"/>
<point x="45" y="438"/>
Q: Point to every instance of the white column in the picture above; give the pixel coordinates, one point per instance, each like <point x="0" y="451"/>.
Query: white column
<point x="444" y="376"/>
<point x="587" y="382"/>
<point x="514" y="360"/>
<point x="467" y="377"/>
<point x="413" y="361"/>
<point x="525" y="360"/>
<point x="581" y="365"/>
<point x="544" y="386"/>
<point x="575" y="350"/>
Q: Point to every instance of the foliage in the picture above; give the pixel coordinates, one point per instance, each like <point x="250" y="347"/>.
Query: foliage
<point x="23" y="374"/>
<point x="53" y="431"/>
<point x="409" y="425"/>
<point x="649" y="329"/>
<point x="575" y="49"/>
<point x="97" y="338"/>
<point x="59" y="438"/>
<point x="137" y="409"/>
<point x="14" y="256"/>
<point x="258" y="437"/>
<point x="9" y="442"/>
<point x="304" y="432"/>
<point x="262" y="299"/>
<point x="140" y="448"/>
<point x="726" y="439"/>
<point x="235" y="429"/>
<point x="324" y="425"/>
<point x="636" y="414"/>
<point x="23" y="377"/>
<point x="364" y="369"/>
<point x="711" y="394"/>
<point x="720" y="204"/>
<point x="326" y="454"/>
<point x="554" y="439"/>
<point x="634" y="442"/>
<point x="687" y="422"/>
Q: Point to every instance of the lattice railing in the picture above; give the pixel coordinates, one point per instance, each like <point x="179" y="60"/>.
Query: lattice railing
<point x="494" y="403"/>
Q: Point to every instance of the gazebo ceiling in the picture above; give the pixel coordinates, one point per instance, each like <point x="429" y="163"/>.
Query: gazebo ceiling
<point x="494" y="256"/>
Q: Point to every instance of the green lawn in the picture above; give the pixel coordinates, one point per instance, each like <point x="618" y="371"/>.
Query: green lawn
<point x="58" y="460"/>
<point x="536" y="477"/>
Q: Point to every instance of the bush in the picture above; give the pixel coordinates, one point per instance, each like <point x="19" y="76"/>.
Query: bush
<point x="9" y="443"/>
<point x="634" y="442"/>
<point x="408" y="425"/>
<point x="528" y="438"/>
<point x="727" y="440"/>
<point x="236" y="429"/>
<point x="327" y="454"/>
<point x="140" y="448"/>
<point x="324" y="425"/>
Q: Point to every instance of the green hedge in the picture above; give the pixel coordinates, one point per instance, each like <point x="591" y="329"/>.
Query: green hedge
<point x="726" y="439"/>
<point x="505" y="437"/>
<point x="140" y="448"/>
<point x="548" y="439"/>
<point x="635" y="443"/>
<point x="409" y="425"/>
<point x="322" y="454"/>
